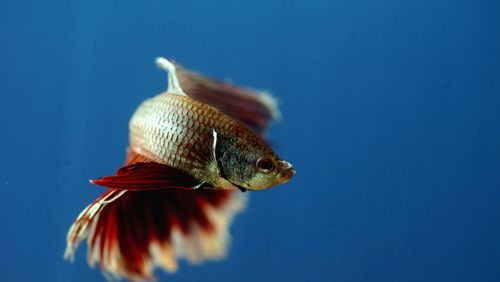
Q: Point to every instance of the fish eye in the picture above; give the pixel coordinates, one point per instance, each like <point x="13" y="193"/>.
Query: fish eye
<point x="265" y="165"/>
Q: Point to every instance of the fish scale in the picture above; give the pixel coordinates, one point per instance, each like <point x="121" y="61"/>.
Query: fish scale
<point x="178" y="131"/>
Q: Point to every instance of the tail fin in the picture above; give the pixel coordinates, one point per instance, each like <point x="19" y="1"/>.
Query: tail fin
<point x="129" y="233"/>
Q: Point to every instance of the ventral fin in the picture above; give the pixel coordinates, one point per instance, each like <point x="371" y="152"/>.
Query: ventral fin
<point x="173" y="83"/>
<point x="148" y="176"/>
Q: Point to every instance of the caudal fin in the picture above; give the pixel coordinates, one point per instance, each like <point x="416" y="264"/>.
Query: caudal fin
<point x="129" y="233"/>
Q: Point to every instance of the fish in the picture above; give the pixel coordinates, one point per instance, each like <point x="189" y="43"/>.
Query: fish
<point x="193" y="150"/>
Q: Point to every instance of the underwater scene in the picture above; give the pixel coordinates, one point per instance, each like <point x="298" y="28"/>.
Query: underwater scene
<point x="250" y="141"/>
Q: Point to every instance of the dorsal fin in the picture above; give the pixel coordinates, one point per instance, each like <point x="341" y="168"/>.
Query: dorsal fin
<point x="253" y="108"/>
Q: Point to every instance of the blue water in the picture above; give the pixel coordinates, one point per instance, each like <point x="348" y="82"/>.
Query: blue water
<point x="391" y="117"/>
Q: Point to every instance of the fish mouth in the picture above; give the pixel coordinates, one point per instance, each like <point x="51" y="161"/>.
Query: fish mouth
<point x="286" y="172"/>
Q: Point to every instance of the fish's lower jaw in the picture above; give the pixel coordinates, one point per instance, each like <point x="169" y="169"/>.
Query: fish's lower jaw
<point x="285" y="171"/>
<point x="286" y="175"/>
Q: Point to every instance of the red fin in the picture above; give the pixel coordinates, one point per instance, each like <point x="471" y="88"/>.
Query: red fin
<point x="252" y="108"/>
<point x="133" y="233"/>
<point x="129" y="233"/>
<point x="148" y="176"/>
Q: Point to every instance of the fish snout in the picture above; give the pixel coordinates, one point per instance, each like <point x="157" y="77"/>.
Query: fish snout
<point x="286" y="172"/>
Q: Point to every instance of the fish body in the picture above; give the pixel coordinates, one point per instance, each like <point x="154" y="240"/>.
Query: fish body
<point x="178" y="191"/>
<point x="183" y="133"/>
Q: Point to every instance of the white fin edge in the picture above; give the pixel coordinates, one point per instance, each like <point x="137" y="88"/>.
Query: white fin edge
<point x="173" y="82"/>
<point x="266" y="98"/>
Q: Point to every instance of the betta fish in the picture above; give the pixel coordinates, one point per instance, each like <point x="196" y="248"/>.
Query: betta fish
<point x="192" y="151"/>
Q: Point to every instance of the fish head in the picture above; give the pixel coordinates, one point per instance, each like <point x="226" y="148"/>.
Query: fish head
<point x="270" y="172"/>
<point x="259" y="168"/>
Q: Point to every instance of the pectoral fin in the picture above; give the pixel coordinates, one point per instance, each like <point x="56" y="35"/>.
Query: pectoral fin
<point x="148" y="176"/>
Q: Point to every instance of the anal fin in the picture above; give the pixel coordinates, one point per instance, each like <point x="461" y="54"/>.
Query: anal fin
<point x="148" y="176"/>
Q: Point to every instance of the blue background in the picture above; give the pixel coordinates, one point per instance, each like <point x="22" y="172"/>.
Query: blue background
<point x="391" y="117"/>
